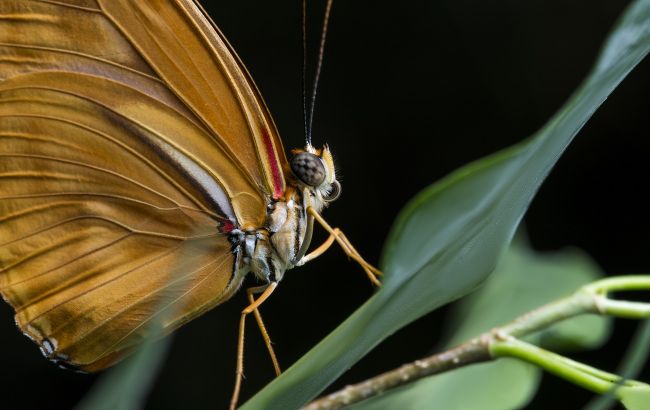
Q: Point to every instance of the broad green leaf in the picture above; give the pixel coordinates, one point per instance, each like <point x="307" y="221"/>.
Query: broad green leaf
<point x="525" y="280"/>
<point x="448" y="239"/>
<point x="522" y="281"/>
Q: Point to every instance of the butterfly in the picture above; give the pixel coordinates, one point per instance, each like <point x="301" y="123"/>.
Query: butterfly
<point x="141" y="177"/>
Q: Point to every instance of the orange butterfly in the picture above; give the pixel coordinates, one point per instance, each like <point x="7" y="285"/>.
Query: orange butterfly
<point x="141" y="176"/>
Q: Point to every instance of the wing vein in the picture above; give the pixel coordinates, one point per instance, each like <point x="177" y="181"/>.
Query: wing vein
<point x="94" y="168"/>
<point x="54" y="268"/>
<point x="83" y="55"/>
<point x="105" y="219"/>
<point x="67" y="5"/>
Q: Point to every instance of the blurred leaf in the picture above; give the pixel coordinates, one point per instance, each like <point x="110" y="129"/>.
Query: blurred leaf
<point x="126" y="386"/>
<point x="635" y="397"/>
<point x="471" y="388"/>
<point x="523" y="281"/>
<point x="448" y="239"/>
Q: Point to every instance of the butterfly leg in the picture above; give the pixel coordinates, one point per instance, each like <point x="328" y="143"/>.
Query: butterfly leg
<point x="265" y="334"/>
<point x="337" y="235"/>
<point x="266" y="291"/>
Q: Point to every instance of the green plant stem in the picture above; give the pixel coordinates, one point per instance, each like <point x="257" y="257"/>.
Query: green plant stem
<point x="619" y="283"/>
<point x="578" y="373"/>
<point x="624" y="309"/>
<point x="541" y="318"/>
<point x="502" y="341"/>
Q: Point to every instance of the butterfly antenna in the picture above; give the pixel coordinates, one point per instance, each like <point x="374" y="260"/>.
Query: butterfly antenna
<point x="304" y="71"/>
<point x="319" y="64"/>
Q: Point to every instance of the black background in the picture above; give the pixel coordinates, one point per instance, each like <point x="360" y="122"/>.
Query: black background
<point x="410" y="91"/>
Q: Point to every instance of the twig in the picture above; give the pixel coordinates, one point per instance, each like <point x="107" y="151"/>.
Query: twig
<point x="474" y="351"/>
<point x="502" y="341"/>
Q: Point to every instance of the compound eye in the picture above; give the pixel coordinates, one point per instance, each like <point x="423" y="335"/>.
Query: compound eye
<point x="308" y="168"/>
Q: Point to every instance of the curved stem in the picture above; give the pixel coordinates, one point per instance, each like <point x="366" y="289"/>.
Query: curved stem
<point x="577" y="373"/>
<point x="620" y="283"/>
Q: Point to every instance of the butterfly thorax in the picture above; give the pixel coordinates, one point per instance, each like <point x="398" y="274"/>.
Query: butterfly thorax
<point x="269" y="251"/>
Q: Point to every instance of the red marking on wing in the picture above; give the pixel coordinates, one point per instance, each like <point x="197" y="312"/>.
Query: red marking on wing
<point x="275" y="167"/>
<point x="226" y="226"/>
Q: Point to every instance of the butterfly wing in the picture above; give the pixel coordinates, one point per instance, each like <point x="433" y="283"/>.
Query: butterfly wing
<point x="119" y="180"/>
<point x="203" y="71"/>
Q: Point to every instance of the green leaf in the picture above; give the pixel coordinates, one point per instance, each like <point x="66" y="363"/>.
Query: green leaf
<point x="451" y="391"/>
<point x="449" y="237"/>
<point x="126" y="386"/>
<point x="635" y="397"/>
<point x="523" y="281"/>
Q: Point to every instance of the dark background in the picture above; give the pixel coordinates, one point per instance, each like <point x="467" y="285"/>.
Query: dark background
<point x="410" y="91"/>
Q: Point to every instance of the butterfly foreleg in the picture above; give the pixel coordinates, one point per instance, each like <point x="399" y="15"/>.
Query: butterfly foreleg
<point x="265" y="291"/>
<point x="337" y="235"/>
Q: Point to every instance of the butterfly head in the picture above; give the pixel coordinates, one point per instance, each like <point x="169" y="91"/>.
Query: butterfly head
<point x="314" y="169"/>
